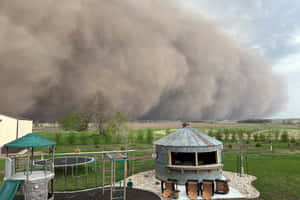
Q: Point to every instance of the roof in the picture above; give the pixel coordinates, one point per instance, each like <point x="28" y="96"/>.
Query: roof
<point x="15" y="117"/>
<point x="188" y="137"/>
<point x="30" y="140"/>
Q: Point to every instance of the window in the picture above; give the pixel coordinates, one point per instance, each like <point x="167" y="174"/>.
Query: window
<point x="207" y="158"/>
<point x="188" y="159"/>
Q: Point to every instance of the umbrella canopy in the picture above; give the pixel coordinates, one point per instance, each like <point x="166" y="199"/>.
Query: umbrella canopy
<point x="30" y="140"/>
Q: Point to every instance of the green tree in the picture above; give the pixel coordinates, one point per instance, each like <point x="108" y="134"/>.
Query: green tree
<point x="293" y="140"/>
<point x="256" y="137"/>
<point x="98" y="110"/>
<point x="74" y="121"/>
<point x="226" y="133"/>
<point x="284" y="137"/>
<point x="233" y="137"/>
<point x="262" y="137"/>
<point x="249" y="133"/>
<point x="219" y="135"/>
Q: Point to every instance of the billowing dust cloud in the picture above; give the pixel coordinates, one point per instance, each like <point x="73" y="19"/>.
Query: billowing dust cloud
<point x="150" y="58"/>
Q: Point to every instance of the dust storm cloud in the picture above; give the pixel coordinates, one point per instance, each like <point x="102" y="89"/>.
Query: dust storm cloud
<point x="150" y="58"/>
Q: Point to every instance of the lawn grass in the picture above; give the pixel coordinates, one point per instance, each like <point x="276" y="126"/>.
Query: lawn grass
<point x="278" y="174"/>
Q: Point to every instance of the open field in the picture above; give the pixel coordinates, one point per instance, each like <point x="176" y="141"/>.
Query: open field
<point x="278" y="171"/>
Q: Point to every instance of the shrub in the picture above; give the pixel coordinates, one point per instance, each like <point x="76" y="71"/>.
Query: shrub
<point x="248" y="135"/>
<point x="58" y="138"/>
<point x="284" y="137"/>
<point x="74" y="121"/>
<point x="262" y="137"/>
<point x="211" y="133"/>
<point x="256" y="138"/>
<point x="149" y="136"/>
<point x="226" y="133"/>
<point x="241" y="134"/>
<point x="168" y="131"/>
<point x="219" y="135"/>
<point x="233" y="137"/>
<point x="71" y="138"/>
<point x="230" y="146"/>
<point x="293" y="140"/>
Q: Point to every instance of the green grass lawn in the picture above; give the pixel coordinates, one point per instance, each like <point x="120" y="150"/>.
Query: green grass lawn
<point x="278" y="174"/>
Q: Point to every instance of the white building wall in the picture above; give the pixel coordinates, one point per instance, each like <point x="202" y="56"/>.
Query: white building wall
<point x="8" y="129"/>
<point x="25" y="127"/>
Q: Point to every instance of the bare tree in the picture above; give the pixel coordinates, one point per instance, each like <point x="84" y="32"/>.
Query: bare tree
<point x="98" y="110"/>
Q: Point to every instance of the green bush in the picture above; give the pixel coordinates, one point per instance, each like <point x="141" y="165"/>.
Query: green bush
<point x="256" y="137"/>
<point x="58" y="138"/>
<point x="74" y="121"/>
<point x="211" y="133"/>
<point x="233" y="137"/>
<point x="293" y="140"/>
<point x="168" y="131"/>
<point x="241" y="134"/>
<point x="71" y="138"/>
<point x="262" y="137"/>
<point x="149" y="136"/>
<point x="284" y="137"/>
<point x="248" y="135"/>
<point x="219" y="135"/>
<point x="226" y="133"/>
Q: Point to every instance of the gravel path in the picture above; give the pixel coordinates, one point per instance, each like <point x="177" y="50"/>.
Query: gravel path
<point x="147" y="181"/>
<point x="242" y="184"/>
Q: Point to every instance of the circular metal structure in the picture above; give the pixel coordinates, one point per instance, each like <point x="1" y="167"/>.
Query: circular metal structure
<point x="67" y="161"/>
<point x="188" y="154"/>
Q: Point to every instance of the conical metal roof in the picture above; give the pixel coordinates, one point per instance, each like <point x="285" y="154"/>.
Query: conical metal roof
<point x="188" y="137"/>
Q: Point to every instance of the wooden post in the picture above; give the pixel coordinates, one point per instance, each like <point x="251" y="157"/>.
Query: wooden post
<point x="111" y="178"/>
<point x="170" y="158"/>
<point x="217" y="157"/>
<point x="103" y="173"/>
<point x="125" y="175"/>
<point x="196" y="158"/>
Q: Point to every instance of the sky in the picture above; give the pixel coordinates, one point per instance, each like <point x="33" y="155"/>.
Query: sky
<point x="269" y="27"/>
